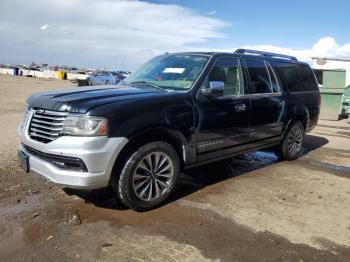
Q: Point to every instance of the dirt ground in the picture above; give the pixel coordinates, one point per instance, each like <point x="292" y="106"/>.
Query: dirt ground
<point x="252" y="208"/>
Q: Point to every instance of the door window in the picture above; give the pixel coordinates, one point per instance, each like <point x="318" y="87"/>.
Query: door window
<point x="259" y="78"/>
<point x="98" y="74"/>
<point x="226" y="77"/>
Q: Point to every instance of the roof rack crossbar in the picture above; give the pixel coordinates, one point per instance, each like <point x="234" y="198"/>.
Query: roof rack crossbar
<point x="266" y="54"/>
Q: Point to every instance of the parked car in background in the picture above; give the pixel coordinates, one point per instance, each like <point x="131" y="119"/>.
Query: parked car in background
<point x="125" y="73"/>
<point x="105" y="78"/>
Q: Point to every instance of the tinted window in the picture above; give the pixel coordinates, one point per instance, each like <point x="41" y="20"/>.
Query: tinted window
<point x="227" y="74"/>
<point x="259" y="77"/>
<point x="101" y="73"/>
<point x="297" y="77"/>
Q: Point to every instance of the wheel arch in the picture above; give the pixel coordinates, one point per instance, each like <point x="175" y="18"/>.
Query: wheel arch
<point x="301" y="115"/>
<point x="142" y="137"/>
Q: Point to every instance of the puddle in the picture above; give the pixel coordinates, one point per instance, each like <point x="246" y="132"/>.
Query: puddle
<point x="335" y="127"/>
<point x="336" y="134"/>
<point x="344" y="133"/>
<point x="330" y="167"/>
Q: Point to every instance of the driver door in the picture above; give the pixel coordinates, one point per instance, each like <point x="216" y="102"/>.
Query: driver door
<point x="223" y="111"/>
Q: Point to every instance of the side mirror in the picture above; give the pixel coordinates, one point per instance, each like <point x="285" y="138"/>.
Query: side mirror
<point x="216" y="89"/>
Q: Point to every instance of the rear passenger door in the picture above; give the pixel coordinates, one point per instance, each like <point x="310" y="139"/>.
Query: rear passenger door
<point x="267" y="104"/>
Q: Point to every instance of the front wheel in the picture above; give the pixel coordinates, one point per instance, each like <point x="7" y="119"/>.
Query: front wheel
<point x="292" y="142"/>
<point x="148" y="177"/>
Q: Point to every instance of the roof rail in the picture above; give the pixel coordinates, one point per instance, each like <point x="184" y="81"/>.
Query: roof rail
<point x="266" y="54"/>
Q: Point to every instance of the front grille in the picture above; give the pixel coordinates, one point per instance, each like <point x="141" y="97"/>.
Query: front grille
<point x="45" y="125"/>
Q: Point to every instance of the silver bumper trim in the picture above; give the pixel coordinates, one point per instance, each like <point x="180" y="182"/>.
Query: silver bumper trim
<point x="98" y="154"/>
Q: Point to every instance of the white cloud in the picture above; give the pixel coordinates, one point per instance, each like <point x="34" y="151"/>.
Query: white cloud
<point x="99" y="32"/>
<point x="213" y="12"/>
<point x="44" y="27"/>
<point x="324" y="47"/>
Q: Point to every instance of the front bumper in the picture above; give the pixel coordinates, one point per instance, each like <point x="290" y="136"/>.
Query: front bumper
<point x="97" y="153"/>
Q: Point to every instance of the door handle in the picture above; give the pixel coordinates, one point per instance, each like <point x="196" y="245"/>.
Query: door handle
<point x="240" y="107"/>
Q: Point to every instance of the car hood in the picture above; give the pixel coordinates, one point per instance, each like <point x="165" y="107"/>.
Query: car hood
<point x="83" y="99"/>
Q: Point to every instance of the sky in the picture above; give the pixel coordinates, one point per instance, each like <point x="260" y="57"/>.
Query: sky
<point x="123" y="34"/>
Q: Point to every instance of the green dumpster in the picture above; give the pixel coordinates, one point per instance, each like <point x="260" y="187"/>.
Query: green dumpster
<point x="332" y="93"/>
<point x="331" y="103"/>
<point x="346" y="102"/>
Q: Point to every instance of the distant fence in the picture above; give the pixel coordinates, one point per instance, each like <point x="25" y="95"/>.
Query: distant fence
<point x="44" y="74"/>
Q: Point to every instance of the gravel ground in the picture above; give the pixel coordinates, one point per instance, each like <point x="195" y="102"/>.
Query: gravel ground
<point x="251" y="208"/>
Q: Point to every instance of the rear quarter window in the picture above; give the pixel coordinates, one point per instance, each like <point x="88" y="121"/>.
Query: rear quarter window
<point x="297" y="77"/>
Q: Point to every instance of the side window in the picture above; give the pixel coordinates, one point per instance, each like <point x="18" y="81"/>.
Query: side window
<point x="298" y="77"/>
<point x="259" y="77"/>
<point x="226" y="76"/>
<point x="274" y="82"/>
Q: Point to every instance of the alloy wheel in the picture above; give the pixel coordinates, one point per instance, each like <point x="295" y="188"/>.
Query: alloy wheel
<point x="295" y="139"/>
<point x="153" y="176"/>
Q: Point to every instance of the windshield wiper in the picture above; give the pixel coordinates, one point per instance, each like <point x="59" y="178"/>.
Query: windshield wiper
<point x="148" y="83"/>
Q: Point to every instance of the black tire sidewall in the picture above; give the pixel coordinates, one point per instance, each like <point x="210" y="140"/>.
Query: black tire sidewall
<point x="125" y="184"/>
<point x="284" y="148"/>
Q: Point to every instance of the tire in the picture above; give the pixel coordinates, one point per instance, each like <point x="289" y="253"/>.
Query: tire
<point x="148" y="177"/>
<point x="292" y="143"/>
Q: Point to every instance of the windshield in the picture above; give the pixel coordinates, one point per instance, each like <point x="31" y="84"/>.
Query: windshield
<point x="176" y="72"/>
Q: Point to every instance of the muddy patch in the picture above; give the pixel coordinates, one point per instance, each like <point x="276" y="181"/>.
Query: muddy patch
<point x="215" y="237"/>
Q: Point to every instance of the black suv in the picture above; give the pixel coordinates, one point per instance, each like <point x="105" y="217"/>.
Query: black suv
<point x="177" y="111"/>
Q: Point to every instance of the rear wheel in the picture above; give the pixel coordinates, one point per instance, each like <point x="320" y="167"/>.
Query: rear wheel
<point x="292" y="142"/>
<point x="148" y="177"/>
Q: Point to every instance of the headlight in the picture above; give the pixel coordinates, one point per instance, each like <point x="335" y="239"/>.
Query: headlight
<point x="85" y="126"/>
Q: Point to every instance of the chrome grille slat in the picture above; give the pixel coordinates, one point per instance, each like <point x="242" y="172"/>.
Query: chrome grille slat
<point x="50" y="117"/>
<point x="45" y="125"/>
<point x="44" y="132"/>
<point x="46" y="122"/>
<point x="42" y="136"/>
